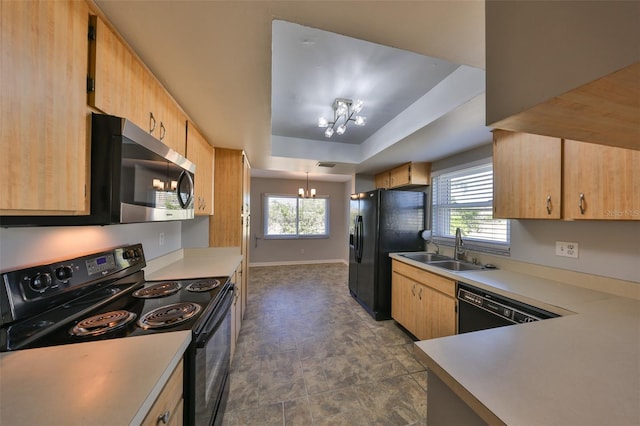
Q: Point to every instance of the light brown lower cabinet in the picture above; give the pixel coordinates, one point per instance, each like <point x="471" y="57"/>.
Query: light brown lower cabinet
<point x="169" y="406"/>
<point x="422" y="302"/>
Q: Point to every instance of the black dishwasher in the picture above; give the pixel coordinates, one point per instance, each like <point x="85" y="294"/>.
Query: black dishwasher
<point x="480" y="309"/>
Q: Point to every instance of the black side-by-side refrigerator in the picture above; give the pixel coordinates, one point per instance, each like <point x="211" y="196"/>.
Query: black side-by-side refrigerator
<point x="382" y="222"/>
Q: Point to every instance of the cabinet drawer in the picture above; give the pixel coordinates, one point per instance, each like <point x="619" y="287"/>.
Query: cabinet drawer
<point x="437" y="282"/>
<point x="169" y="399"/>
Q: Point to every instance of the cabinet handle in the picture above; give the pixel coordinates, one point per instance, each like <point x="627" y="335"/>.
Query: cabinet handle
<point x="152" y="122"/>
<point x="164" y="417"/>
<point x="163" y="131"/>
<point x="413" y="290"/>
<point x="420" y="293"/>
<point x="581" y="205"/>
<point x="548" y="204"/>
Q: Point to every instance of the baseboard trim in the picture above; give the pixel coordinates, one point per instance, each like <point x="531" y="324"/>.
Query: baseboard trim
<point x="297" y="262"/>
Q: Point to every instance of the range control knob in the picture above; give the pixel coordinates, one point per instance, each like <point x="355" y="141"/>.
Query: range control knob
<point x="40" y="282"/>
<point x="63" y="273"/>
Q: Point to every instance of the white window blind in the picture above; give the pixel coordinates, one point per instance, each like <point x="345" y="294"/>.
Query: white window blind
<point x="464" y="199"/>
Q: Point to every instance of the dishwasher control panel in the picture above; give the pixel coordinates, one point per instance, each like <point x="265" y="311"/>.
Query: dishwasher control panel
<point x="511" y="310"/>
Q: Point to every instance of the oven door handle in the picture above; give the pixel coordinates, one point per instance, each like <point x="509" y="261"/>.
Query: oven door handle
<point x="216" y="319"/>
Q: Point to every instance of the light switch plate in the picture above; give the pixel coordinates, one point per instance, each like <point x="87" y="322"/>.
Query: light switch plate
<point x="567" y="249"/>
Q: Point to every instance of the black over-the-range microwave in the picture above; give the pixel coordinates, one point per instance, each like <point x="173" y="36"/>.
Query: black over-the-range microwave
<point x="134" y="178"/>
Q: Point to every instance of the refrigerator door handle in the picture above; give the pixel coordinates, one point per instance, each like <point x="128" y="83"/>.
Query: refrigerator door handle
<point x="360" y="227"/>
<point x="356" y="237"/>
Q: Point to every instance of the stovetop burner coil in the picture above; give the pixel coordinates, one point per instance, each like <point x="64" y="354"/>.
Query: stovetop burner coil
<point x="103" y="323"/>
<point x="169" y="315"/>
<point x="158" y="290"/>
<point x="203" y="285"/>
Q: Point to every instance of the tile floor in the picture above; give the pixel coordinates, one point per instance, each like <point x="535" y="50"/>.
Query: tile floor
<point x="308" y="354"/>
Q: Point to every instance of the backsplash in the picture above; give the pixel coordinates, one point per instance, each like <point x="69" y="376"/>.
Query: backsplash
<point x="20" y="247"/>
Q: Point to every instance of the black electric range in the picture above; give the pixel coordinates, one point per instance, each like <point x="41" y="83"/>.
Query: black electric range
<point x="105" y="296"/>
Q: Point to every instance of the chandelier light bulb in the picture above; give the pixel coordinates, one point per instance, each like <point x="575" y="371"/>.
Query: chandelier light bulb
<point x="322" y="122"/>
<point x="360" y="120"/>
<point x="341" y="109"/>
<point x="313" y="192"/>
<point x="329" y="132"/>
<point x="300" y="192"/>
<point x="357" y="106"/>
<point x="341" y="129"/>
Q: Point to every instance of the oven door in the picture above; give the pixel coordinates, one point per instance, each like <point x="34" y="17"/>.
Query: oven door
<point x="212" y="364"/>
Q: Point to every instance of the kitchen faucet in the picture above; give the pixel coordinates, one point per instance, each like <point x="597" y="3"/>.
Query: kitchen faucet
<point x="459" y="247"/>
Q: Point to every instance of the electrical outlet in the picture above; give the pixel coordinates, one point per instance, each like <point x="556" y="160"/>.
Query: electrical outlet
<point x="161" y="239"/>
<point x="566" y="249"/>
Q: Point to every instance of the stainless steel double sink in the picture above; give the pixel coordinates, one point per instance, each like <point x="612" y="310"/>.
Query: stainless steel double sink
<point x="442" y="261"/>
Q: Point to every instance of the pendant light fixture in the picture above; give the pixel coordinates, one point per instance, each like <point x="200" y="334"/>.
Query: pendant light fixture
<point x="308" y="193"/>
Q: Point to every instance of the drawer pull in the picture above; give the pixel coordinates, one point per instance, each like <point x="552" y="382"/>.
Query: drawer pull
<point x="152" y="122"/>
<point x="164" y="418"/>
<point x="548" y="204"/>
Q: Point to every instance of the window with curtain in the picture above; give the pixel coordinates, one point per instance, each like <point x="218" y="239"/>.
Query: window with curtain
<point x="464" y="199"/>
<point x="289" y="216"/>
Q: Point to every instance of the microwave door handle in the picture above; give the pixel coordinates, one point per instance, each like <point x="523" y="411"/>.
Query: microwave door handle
<point x="184" y="175"/>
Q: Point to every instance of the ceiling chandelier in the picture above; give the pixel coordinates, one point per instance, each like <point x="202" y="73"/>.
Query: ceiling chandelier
<point x="309" y="193"/>
<point x="343" y="112"/>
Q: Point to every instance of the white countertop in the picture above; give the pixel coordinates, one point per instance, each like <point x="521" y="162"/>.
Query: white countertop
<point x="579" y="369"/>
<point x="108" y="382"/>
<point x="194" y="263"/>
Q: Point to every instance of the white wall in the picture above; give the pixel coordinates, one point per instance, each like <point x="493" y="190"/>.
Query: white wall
<point x="604" y="248"/>
<point x="20" y="247"/>
<point x="195" y="233"/>
<point x="271" y="251"/>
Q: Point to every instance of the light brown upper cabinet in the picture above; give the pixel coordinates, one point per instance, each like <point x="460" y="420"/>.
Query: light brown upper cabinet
<point x="409" y="174"/>
<point x="538" y="177"/>
<point x="601" y="182"/>
<point x="44" y="136"/>
<point x="527" y="176"/>
<point x="201" y="153"/>
<point x="120" y="84"/>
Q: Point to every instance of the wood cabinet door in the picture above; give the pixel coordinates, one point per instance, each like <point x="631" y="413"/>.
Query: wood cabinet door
<point x="119" y="78"/>
<point x="601" y="182"/>
<point x="227" y="223"/>
<point x="402" y="300"/>
<point x="382" y="180"/>
<point x="173" y="123"/>
<point x="44" y="137"/>
<point x="527" y="176"/>
<point x="400" y="176"/>
<point x="201" y="154"/>
<point x="436" y="314"/>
